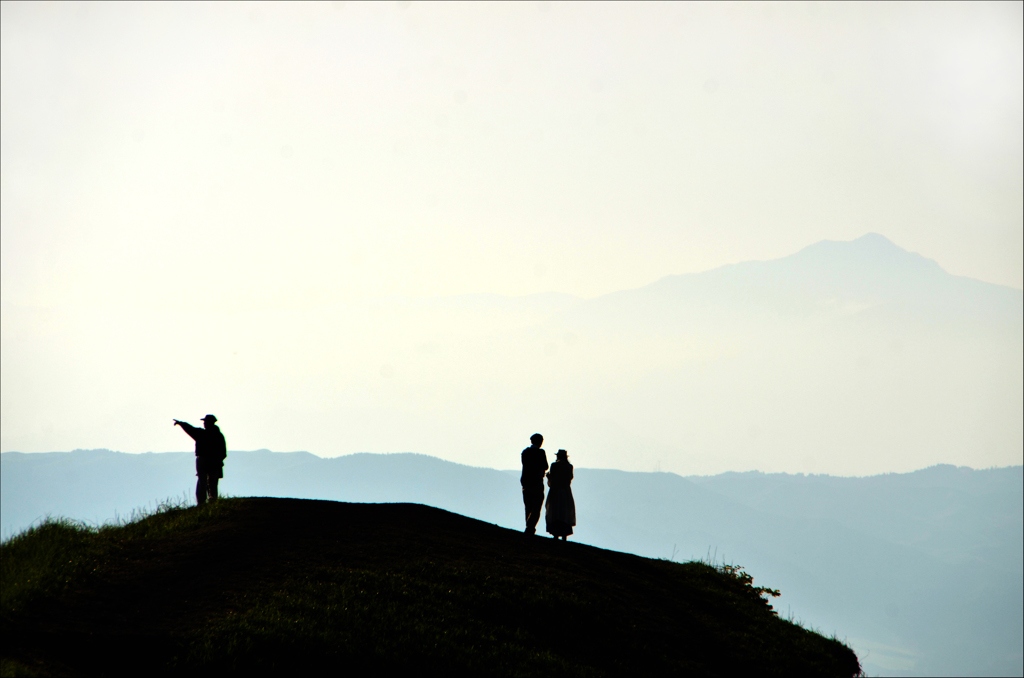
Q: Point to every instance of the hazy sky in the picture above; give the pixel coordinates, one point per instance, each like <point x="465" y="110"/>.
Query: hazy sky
<point x="157" y="158"/>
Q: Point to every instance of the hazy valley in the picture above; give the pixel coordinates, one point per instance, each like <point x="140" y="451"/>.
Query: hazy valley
<point x="849" y="358"/>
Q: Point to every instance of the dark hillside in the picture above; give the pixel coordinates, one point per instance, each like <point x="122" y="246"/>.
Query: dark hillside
<point x="271" y="586"/>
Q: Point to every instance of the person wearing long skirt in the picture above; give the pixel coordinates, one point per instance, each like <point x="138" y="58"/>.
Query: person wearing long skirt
<point x="560" y="508"/>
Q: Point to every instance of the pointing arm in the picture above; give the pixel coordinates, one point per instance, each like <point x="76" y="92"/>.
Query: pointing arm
<point x="191" y="430"/>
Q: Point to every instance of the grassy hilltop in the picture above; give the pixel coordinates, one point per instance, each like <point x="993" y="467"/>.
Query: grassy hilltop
<point x="279" y="586"/>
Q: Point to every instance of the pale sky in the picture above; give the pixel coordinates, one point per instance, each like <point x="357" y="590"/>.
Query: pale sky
<point x="160" y="158"/>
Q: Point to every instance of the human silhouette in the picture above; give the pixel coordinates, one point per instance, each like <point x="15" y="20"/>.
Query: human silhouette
<point x="560" y="508"/>
<point x="211" y="450"/>
<point x="535" y="465"/>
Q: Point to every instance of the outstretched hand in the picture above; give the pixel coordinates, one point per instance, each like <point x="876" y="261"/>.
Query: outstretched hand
<point x="177" y="423"/>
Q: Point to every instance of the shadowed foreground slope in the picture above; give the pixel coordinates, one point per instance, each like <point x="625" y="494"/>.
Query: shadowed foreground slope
<point x="285" y="585"/>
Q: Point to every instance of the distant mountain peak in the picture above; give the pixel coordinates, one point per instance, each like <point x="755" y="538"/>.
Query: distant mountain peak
<point x="868" y="248"/>
<point x="873" y="237"/>
<point x="869" y="272"/>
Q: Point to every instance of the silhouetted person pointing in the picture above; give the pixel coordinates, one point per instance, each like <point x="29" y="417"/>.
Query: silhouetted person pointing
<point x="211" y="450"/>
<point x="535" y="465"/>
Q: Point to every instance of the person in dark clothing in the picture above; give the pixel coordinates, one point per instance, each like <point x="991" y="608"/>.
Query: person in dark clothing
<point x="560" y="508"/>
<point x="211" y="450"/>
<point x="535" y="465"/>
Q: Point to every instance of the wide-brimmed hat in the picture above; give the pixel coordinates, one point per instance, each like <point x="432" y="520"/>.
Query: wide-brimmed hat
<point x="561" y="454"/>
<point x="209" y="417"/>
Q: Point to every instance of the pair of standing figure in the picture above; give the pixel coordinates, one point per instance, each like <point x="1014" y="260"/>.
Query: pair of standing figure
<point x="560" y="508"/>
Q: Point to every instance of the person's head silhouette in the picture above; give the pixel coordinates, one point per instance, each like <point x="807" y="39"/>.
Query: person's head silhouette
<point x="562" y="455"/>
<point x="209" y="420"/>
<point x="537" y="439"/>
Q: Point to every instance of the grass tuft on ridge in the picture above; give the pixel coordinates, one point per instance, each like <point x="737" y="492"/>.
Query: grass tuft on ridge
<point x="48" y="559"/>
